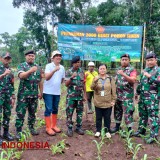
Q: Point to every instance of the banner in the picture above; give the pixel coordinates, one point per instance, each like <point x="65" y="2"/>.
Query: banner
<point x="99" y="43"/>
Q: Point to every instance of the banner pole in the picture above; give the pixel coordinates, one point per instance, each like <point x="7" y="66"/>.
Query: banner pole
<point x="144" y="34"/>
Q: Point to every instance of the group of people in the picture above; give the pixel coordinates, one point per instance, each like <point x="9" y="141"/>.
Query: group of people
<point x="107" y="92"/>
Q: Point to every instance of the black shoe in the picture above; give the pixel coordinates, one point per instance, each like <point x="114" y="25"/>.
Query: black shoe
<point x="150" y="140"/>
<point x="33" y="132"/>
<point x="79" y="131"/>
<point x="18" y="136"/>
<point x="138" y="133"/>
<point x="69" y="132"/>
<point x="116" y="128"/>
<point x="7" y="136"/>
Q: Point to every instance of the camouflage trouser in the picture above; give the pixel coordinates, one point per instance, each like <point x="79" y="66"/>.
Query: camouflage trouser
<point x="125" y="107"/>
<point x="22" y="105"/>
<point x="5" y="108"/>
<point x="148" y="109"/>
<point x="70" y="106"/>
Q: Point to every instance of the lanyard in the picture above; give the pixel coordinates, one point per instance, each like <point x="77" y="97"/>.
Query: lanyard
<point x="103" y="82"/>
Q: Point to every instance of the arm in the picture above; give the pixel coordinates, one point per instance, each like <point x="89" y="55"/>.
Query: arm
<point x="69" y="78"/>
<point x="7" y="71"/>
<point x="40" y="89"/>
<point x="94" y="83"/>
<point x="131" y="78"/>
<point x="50" y="74"/>
<point x="113" y="87"/>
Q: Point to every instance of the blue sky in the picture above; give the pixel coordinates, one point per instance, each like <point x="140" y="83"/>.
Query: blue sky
<point x="11" y="19"/>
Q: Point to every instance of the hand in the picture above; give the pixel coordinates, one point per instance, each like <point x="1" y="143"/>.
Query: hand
<point x="86" y="75"/>
<point x="112" y="104"/>
<point x="136" y="97"/>
<point x="96" y="79"/>
<point x="57" y="68"/>
<point x="120" y="72"/>
<point x="146" y="74"/>
<point x="13" y="102"/>
<point x="7" y="71"/>
<point x="74" y="75"/>
<point x="85" y="98"/>
<point x="33" y="69"/>
<point x="40" y="96"/>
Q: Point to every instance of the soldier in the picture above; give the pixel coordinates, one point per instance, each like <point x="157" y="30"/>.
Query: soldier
<point x="75" y="81"/>
<point x="125" y="79"/>
<point x="90" y="74"/>
<point x="148" y="101"/>
<point x="30" y="78"/>
<point x="7" y="96"/>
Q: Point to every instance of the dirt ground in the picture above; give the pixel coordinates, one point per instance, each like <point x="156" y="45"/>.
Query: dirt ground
<point x="83" y="147"/>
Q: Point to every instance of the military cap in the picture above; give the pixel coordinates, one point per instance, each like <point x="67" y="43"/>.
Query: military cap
<point x="125" y="55"/>
<point x="5" y="55"/>
<point x="29" y="52"/>
<point x="150" y="55"/>
<point x="75" y="59"/>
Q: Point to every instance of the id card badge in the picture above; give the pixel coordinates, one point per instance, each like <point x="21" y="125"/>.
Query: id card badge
<point x="102" y="93"/>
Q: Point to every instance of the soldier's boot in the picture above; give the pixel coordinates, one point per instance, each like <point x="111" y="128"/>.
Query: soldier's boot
<point x="116" y="128"/>
<point x="79" y="131"/>
<point x="139" y="133"/>
<point x="18" y="134"/>
<point x="150" y="140"/>
<point x="33" y="131"/>
<point x="49" y="130"/>
<point x="7" y="136"/>
<point x="54" y="124"/>
<point x="69" y="132"/>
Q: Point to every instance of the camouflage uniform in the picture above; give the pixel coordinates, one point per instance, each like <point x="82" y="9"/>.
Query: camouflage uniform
<point x="75" y="97"/>
<point x="6" y="92"/>
<point x="125" y="93"/>
<point x="148" y="89"/>
<point x="27" y="95"/>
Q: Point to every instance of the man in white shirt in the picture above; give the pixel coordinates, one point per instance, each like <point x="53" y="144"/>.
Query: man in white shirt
<point x="54" y="76"/>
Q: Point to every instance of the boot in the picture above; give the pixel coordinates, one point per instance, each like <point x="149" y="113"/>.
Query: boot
<point x="150" y="140"/>
<point x="33" y="131"/>
<point x="49" y="131"/>
<point x="54" y="124"/>
<point x="79" y="131"/>
<point x="18" y="134"/>
<point x="7" y="136"/>
<point x="116" y="128"/>
<point x="69" y="132"/>
<point x="139" y="133"/>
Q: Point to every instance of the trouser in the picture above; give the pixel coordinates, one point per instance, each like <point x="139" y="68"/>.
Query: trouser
<point x="51" y="104"/>
<point x="148" y="109"/>
<point x="22" y="105"/>
<point x="70" y="106"/>
<point x="5" y="109"/>
<point x="125" y="107"/>
<point x="89" y="99"/>
<point x="104" y="113"/>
